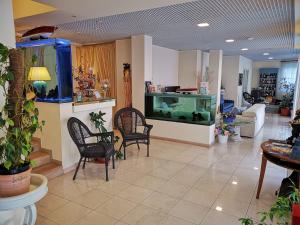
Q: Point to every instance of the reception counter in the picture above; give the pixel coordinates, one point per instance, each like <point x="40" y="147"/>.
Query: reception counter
<point x="188" y="118"/>
<point x="55" y="135"/>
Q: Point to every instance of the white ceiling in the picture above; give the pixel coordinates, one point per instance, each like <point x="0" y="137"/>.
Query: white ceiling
<point x="269" y="22"/>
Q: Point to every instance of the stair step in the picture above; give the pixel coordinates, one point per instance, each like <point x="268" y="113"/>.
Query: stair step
<point x="40" y="157"/>
<point x="36" y="144"/>
<point x="50" y="170"/>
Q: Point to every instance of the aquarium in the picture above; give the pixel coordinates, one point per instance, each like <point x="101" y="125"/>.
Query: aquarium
<point x="184" y="108"/>
<point x="55" y="55"/>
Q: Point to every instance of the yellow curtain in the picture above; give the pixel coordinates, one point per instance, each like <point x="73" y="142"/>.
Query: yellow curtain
<point x="102" y="59"/>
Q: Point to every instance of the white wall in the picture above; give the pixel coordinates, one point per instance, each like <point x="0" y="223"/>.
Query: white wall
<point x="204" y="63"/>
<point x="246" y="64"/>
<point x="262" y="64"/>
<point x="7" y="34"/>
<point x="230" y="77"/>
<point x="165" y="66"/>
<point x="123" y="55"/>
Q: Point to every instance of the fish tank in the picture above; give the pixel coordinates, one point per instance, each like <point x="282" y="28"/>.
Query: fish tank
<point x="55" y="55"/>
<point x="184" y="108"/>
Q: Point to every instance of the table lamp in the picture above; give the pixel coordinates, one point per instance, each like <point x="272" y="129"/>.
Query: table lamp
<point x="39" y="75"/>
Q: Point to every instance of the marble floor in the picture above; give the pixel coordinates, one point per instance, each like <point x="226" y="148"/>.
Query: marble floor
<point x="179" y="184"/>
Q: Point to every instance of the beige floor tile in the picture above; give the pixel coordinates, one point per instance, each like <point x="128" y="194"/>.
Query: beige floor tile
<point x="95" y="218"/>
<point x="68" y="214"/>
<point x="70" y="191"/>
<point x="150" y="182"/>
<point x="189" y="211"/>
<point x="160" y="201"/>
<point x="171" y="220"/>
<point x="215" y="217"/>
<point x="174" y="189"/>
<point x="116" y="207"/>
<point x="189" y="175"/>
<point x="93" y="198"/>
<point x="202" y="197"/>
<point x="142" y="215"/>
<point x="135" y="194"/>
<point x="121" y="223"/>
<point x="43" y="221"/>
<point x="113" y="187"/>
<point x="52" y="202"/>
<point x="232" y="206"/>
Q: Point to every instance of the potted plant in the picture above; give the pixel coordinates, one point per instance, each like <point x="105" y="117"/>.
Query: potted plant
<point x="18" y="122"/>
<point x="287" y="89"/>
<point x="283" y="211"/>
<point x="98" y="121"/>
<point x="224" y="131"/>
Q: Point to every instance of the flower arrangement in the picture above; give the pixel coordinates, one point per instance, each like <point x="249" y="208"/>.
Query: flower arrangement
<point x="224" y="129"/>
<point x="228" y="117"/>
<point x="86" y="81"/>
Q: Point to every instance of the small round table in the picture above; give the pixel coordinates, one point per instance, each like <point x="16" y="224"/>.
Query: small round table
<point x="276" y="158"/>
<point x="21" y="209"/>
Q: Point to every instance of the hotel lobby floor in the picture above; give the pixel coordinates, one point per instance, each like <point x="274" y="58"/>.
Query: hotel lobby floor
<point x="179" y="184"/>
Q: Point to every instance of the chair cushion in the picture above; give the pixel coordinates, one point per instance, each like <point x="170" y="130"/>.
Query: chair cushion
<point x="135" y="136"/>
<point x="98" y="150"/>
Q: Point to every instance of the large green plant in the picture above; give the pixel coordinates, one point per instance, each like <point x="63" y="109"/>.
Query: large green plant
<point x="279" y="213"/>
<point x="19" y="118"/>
<point x="98" y="120"/>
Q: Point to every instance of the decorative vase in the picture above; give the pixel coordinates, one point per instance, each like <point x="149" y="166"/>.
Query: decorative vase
<point x="15" y="184"/>
<point x="222" y="138"/>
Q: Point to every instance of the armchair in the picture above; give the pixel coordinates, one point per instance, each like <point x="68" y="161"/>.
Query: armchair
<point x="104" y="147"/>
<point x="133" y="127"/>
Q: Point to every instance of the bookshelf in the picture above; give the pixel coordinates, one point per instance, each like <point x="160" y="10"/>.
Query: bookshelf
<point x="268" y="81"/>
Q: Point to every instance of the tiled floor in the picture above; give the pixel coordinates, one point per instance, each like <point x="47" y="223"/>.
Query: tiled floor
<point x="179" y="184"/>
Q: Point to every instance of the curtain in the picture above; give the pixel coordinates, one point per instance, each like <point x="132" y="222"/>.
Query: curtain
<point x="297" y="91"/>
<point x="287" y="71"/>
<point x="102" y="59"/>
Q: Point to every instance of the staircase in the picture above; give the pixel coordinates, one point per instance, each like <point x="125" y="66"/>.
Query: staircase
<point x="44" y="164"/>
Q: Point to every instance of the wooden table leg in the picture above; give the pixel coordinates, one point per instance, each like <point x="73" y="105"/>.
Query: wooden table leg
<point x="262" y="175"/>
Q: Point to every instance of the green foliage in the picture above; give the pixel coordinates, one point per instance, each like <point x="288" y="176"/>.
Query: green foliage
<point x="98" y="121"/>
<point x="280" y="211"/>
<point x="15" y="141"/>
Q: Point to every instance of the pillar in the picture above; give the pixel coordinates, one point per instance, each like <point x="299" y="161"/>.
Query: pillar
<point x="215" y="73"/>
<point x="141" y="59"/>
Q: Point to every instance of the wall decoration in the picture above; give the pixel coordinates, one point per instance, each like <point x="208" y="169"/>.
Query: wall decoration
<point x="85" y="82"/>
<point x="240" y="79"/>
<point x="127" y="85"/>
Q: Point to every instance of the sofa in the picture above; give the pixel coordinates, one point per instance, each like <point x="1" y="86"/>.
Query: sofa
<point x="255" y="115"/>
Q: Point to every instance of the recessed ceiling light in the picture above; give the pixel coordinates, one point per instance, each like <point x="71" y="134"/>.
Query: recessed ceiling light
<point x="234" y="182"/>
<point x="255" y="168"/>
<point x="244" y="49"/>
<point x="266" y="53"/>
<point x="203" y="24"/>
<point x="219" y="208"/>
<point x="270" y="58"/>
<point x="229" y="40"/>
<point x="250" y="38"/>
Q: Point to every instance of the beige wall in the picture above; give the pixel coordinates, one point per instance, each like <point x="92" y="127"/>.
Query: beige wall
<point x="123" y="55"/>
<point x="165" y="66"/>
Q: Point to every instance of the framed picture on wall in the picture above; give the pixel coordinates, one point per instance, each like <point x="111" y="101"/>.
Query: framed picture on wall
<point x="240" y="79"/>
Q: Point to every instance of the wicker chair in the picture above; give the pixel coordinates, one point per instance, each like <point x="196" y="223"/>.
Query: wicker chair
<point x="133" y="127"/>
<point x="248" y="98"/>
<point x="103" y="148"/>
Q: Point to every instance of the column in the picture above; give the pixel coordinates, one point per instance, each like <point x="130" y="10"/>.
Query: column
<point x="141" y="53"/>
<point x="215" y="73"/>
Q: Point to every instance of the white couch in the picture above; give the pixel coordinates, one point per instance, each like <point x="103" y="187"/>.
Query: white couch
<point x="256" y="116"/>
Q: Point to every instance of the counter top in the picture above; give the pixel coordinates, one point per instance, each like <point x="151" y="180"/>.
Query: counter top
<point x="173" y="94"/>
<point x="88" y="106"/>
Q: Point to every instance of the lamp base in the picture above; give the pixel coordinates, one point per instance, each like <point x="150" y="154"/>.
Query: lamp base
<point x="40" y="88"/>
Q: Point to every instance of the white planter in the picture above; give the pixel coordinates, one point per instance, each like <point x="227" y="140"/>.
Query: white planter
<point x="222" y="139"/>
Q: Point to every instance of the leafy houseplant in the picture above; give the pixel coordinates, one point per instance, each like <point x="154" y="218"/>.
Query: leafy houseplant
<point x="98" y="121"/>
<point x="18" y="120"/>
<point x="280" y="211"/>
<point x="287" y="89"/>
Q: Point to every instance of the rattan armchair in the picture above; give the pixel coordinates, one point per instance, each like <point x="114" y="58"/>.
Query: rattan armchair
<point x="103" y="147"/>
<point x="133" y="127"/>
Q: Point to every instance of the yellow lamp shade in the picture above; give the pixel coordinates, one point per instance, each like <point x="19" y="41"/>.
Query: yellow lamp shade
<point x="38" y="73"/>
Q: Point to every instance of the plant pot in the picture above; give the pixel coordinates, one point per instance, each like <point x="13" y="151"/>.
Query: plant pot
<point x="100" y="160"/>
<point x="15" y="182"/>
<point x="222" y="138"/>
<point x="284" y="111"/>
<point x="296" y="214"/>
